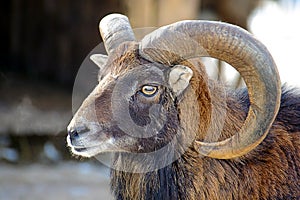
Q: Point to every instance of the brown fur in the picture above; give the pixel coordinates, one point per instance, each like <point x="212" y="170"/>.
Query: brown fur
<point x="271" y="171"/>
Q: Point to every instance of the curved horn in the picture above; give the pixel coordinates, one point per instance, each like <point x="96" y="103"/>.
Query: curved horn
<point x="115" y="29"/>
<point x="246" y="54"/>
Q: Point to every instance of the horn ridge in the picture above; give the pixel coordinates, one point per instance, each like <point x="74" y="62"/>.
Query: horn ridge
<point x="246" y="54"/>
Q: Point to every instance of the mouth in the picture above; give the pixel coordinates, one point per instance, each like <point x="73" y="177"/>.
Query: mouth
<point x="78" y="148"/>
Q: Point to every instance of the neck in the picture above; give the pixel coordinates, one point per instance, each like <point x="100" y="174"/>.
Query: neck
<point x="171" y="182"/>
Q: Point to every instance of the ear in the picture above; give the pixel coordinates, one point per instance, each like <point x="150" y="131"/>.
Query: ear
<point x="99" y="59"/>
<point x="179" y="78"/>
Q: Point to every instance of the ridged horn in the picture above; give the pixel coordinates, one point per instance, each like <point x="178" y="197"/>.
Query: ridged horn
<point x="246" y="54"/>
<point x="115" y="29"/>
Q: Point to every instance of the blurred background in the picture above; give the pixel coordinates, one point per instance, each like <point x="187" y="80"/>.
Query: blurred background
<point x="43" y="43"/>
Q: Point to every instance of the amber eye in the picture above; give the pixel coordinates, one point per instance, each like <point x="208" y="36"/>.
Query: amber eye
<point x="149" y="90"/>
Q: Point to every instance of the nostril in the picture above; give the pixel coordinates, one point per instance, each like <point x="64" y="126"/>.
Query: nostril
<point x="73" y="133"/>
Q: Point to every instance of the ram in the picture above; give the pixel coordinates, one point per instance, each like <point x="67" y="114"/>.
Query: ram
<point x="177" y="134"/>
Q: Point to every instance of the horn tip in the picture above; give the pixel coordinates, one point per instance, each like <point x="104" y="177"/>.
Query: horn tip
<point x="111" y="20"/>
<point x="115" y="29"/>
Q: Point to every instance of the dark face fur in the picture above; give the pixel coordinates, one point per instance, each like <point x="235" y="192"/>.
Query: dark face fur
<point x="132" y="109"/>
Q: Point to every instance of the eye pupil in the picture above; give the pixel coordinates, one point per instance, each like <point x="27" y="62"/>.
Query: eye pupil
<point x="149" y="90"/>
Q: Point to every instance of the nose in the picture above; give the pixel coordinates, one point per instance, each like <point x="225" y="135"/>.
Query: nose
<point x="74" y="132"/>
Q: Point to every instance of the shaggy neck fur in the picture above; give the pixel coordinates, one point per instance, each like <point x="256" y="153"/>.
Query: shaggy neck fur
<point x="169" y="182"/>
